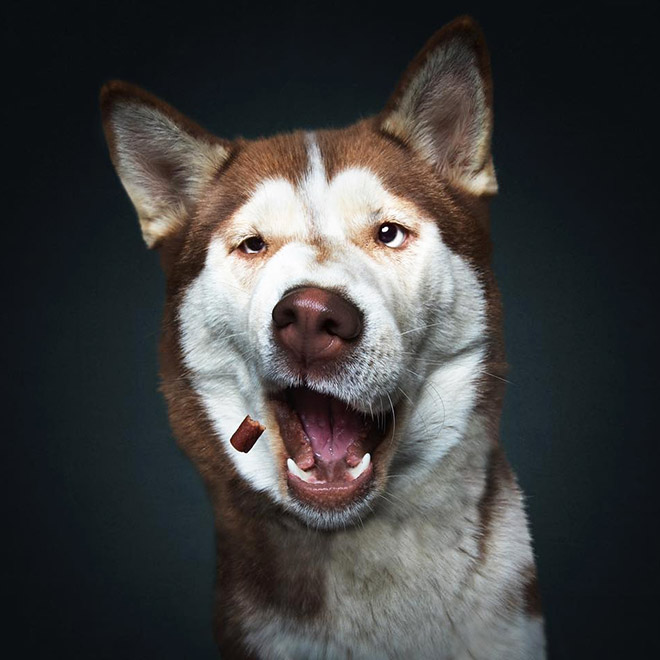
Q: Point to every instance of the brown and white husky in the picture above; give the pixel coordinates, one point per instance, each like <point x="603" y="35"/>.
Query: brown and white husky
<point x="337" y="286"/>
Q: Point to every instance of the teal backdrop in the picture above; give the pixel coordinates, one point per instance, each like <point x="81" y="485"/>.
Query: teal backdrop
<point x="109" y="544"/>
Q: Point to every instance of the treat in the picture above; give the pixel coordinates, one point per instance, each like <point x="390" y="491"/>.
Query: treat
<point x="246" y="435"/>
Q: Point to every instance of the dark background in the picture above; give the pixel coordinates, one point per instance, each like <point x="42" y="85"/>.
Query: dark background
<point x="109" y="539"/>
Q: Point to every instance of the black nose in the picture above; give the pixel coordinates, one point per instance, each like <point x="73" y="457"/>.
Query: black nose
<point x="314" y="324"/>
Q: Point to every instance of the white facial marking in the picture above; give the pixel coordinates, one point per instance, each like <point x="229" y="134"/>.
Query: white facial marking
<point x="313" y="189"/>
<point x="424" y="316"/>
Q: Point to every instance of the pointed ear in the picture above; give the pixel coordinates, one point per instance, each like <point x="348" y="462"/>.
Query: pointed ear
<point x="162" y="158"/>
<point x="442" y="107"/>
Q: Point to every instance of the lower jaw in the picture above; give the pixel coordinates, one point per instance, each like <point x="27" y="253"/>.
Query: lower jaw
<point x="331" y="496"/>
<point x="351" y="513"/>
<point x="341" y="500"/>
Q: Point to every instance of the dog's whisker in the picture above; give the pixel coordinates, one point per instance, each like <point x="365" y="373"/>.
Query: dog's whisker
<point x="504" y="380"/>
<point x="423" y="327"/>
<point x="437" y="394"/>
<point x="393" y="416"/>
<point x="404" y="394"/>
<point x="416" y="412"/>
<point x="236" y="334"/>
<point x="401" y="504"/>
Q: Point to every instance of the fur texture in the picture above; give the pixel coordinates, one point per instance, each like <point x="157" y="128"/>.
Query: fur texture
<point x="432" y="557"/>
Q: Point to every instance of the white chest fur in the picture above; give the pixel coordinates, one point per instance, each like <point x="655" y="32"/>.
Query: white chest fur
<point x="415" y="582"/>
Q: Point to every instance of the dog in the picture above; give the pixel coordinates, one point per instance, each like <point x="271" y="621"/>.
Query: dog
<point x="333" y="364"/>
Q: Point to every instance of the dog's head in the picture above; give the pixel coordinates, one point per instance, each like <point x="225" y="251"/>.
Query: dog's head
<point x="334" y="285"/>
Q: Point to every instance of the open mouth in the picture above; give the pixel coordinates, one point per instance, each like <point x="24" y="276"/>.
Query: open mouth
<point x="329" y="445"/>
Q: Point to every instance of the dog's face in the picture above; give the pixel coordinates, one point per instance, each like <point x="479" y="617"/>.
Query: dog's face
<point x="333" y="285"/>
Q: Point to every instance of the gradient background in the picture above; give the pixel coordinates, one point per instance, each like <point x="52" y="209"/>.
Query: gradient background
<point x="110" y="540"/>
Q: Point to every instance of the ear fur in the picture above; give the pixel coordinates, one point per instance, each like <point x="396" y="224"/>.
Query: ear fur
<point x="162" y="158"/>
<point x="442" y="107"/>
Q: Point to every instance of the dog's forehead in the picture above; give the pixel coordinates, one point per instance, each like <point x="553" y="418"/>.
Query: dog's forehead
<point x="329" y="182"/>
<point x="315" y="203"/>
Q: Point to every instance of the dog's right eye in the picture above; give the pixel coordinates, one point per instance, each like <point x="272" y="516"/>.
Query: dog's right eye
<point x="252" y="245"/>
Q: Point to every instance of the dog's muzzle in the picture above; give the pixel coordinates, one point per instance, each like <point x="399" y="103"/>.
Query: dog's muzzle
<point x="328" y="444"/>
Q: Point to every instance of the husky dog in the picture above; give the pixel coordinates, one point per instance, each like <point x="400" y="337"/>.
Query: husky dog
<point x="337" y="287"/>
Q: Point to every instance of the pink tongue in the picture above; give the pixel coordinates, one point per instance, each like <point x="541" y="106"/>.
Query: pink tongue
<point x="330" y="426"/>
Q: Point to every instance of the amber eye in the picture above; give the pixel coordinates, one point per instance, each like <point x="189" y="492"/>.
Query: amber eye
<point x="392" y="235"/>
<point x="252" y="245"/>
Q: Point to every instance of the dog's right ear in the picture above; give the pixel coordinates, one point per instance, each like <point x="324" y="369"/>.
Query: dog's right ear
<point x="162" y="158"/>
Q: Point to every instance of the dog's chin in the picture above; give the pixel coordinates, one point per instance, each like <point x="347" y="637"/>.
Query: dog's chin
<point x="333" y="455"/>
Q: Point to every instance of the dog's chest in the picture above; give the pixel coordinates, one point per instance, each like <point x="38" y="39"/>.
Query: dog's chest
<point x="402" y="578"/>
<point x="396" y="588"/>
<point x="413" y="586"/>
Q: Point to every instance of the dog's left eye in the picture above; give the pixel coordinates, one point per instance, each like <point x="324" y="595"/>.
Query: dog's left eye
<point x="252" y="245"/>
<point x="392" y="235"/>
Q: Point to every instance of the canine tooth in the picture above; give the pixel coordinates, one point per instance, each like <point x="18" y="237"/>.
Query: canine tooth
<point x="294" y="469"/>
<point x="356" y="471"/>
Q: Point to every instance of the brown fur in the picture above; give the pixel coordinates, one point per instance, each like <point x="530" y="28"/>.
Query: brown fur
<point x="499" y="480"/>
<point x="532" y="593"/>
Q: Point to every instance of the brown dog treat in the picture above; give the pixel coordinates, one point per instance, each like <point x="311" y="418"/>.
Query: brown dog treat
<point x="246" y="435"/>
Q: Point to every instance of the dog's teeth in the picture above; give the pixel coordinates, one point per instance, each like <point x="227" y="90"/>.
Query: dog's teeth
<point x="294" y="469"/>
<point x="356" y="471"/>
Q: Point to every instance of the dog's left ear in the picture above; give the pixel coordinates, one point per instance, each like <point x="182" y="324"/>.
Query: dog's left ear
<point x="442" y="107"/>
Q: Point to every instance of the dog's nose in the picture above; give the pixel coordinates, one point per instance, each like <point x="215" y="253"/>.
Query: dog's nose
<point x="315" y="324"/>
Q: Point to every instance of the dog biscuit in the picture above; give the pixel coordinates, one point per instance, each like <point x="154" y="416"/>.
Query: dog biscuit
<point x="246" y="434"/>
